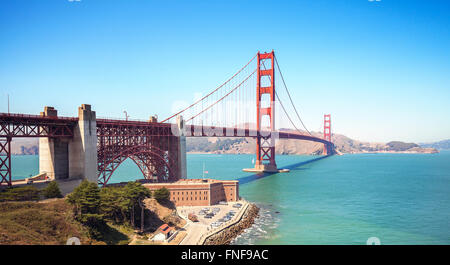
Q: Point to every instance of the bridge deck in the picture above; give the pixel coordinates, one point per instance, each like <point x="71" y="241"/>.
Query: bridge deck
<point x="24" y="125"/>
<point x="204" y="131"/>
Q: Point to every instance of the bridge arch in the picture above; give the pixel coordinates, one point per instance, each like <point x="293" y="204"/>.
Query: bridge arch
<point x="154" y="163"/>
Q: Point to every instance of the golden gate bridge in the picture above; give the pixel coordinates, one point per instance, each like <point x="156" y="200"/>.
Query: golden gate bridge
<point x="87" y="147"/>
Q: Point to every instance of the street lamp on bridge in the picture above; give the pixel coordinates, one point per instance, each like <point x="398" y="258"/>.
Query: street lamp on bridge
<point x="126" y="115"/>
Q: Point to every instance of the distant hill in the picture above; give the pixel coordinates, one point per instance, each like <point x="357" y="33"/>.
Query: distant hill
<point x="25" y="146"/>
<point x="400" y="146"/>
<point x="223" y="145"/>
<point x="342" y="143"/>
<point x="442" y="145"/>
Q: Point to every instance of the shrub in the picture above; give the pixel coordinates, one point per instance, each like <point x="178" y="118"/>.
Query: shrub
<point x="25" y="193"/>
<point x="52" y="190"/>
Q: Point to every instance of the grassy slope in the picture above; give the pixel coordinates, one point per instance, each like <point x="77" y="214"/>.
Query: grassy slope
<point x="48" y="223"/>
<point x="39" y="223"/>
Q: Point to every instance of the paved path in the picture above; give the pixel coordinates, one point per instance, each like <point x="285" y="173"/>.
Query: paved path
<point x="194" y="232"/>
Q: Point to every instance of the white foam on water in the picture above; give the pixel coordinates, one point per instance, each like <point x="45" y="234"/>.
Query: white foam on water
<point x="264" y="224"/>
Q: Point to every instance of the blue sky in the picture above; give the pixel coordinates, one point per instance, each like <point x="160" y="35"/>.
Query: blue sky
<point x="382" y="69"/>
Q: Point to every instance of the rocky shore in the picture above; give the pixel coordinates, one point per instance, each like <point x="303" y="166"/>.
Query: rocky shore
<point x="225" y="236"/>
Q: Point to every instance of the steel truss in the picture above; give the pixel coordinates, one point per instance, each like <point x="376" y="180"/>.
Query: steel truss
<point x="20" y="125"/>
<point x="152" y="146"/>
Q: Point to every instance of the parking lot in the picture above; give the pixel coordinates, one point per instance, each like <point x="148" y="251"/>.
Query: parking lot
<point x="220" y="212"/>
<point x="204" y="223"/>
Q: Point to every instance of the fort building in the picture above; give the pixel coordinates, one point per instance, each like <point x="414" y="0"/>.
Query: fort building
<point x="199" y="192"/>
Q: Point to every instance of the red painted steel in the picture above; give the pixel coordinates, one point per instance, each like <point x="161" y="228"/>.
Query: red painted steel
<point x="151" y="145"/>
<point x="5" y="160"/>
<point x="21" y="125"/>
<point x="326" y="132"/>
<point x="265" y="144"/>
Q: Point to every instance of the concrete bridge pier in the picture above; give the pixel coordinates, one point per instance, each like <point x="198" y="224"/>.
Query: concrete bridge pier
<point x="182" y="148"/>
<point x="83" y="146"/>
<point x="53" y="152"/>
<point x="71" y="158"/>
<point x="176" y="149"/>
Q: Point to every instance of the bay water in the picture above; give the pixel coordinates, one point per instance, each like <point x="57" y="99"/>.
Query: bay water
<point x="398" y="198"/>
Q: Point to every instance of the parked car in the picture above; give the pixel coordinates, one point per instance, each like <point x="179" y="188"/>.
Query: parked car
<point x="223" y="203"/>
<point x="208" y="216"/>
<point x="193" y="217"/>
<point x="237" y="205"/>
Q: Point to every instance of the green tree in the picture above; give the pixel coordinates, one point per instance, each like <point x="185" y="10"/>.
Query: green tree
<point x="136" y="193"/>
<point x="114" y="205"/>
<point x="86" y="201"/>
<point x="85" y="198"/>
<point x="121" y="204"/>
<point x="161" y="194"/>
<point x="52" y="190"/>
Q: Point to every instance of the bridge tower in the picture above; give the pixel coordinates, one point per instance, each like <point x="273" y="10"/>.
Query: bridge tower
<point x="265" y="144"/>
<point x="327" y="132"/>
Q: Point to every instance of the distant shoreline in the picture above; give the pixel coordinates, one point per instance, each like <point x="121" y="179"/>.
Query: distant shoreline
<point x="396" y="152"/>
<point x="374" y="152"/>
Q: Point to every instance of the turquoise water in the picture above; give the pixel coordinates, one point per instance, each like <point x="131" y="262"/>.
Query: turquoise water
<point x="399" y="198"/>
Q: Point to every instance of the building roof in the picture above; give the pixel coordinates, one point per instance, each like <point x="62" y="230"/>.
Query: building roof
<point x="165" y="228"/>
<point x="191" y="182"/>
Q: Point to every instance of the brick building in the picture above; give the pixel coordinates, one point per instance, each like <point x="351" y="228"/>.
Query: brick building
<point x="199" y="192"/>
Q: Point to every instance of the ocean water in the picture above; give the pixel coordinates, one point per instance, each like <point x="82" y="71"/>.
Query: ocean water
<point x="399" y="198"/>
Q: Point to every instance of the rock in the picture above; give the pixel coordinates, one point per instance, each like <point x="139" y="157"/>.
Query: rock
<point x="225" y="236"/>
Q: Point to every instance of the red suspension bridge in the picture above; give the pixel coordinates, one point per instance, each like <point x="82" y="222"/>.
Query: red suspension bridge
<point x="91" y="148"/>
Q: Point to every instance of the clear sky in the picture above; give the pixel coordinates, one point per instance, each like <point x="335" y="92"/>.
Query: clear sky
<point x="382" y="69"/>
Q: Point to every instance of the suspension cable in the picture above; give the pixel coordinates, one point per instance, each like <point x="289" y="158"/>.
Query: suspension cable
<point x="289" y="94"/>
<point x="281" y="103"/>
<point x="195" y="103"/>
<point x="226" y="95"/>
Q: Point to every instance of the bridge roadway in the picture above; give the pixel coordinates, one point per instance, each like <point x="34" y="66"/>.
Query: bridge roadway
<point x="204" y="131"/>
<point x="72" y="147"/>
<point x="24" y="125"/>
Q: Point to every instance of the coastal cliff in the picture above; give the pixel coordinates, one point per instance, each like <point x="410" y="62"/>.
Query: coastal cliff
<point x="225" y="236"/>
